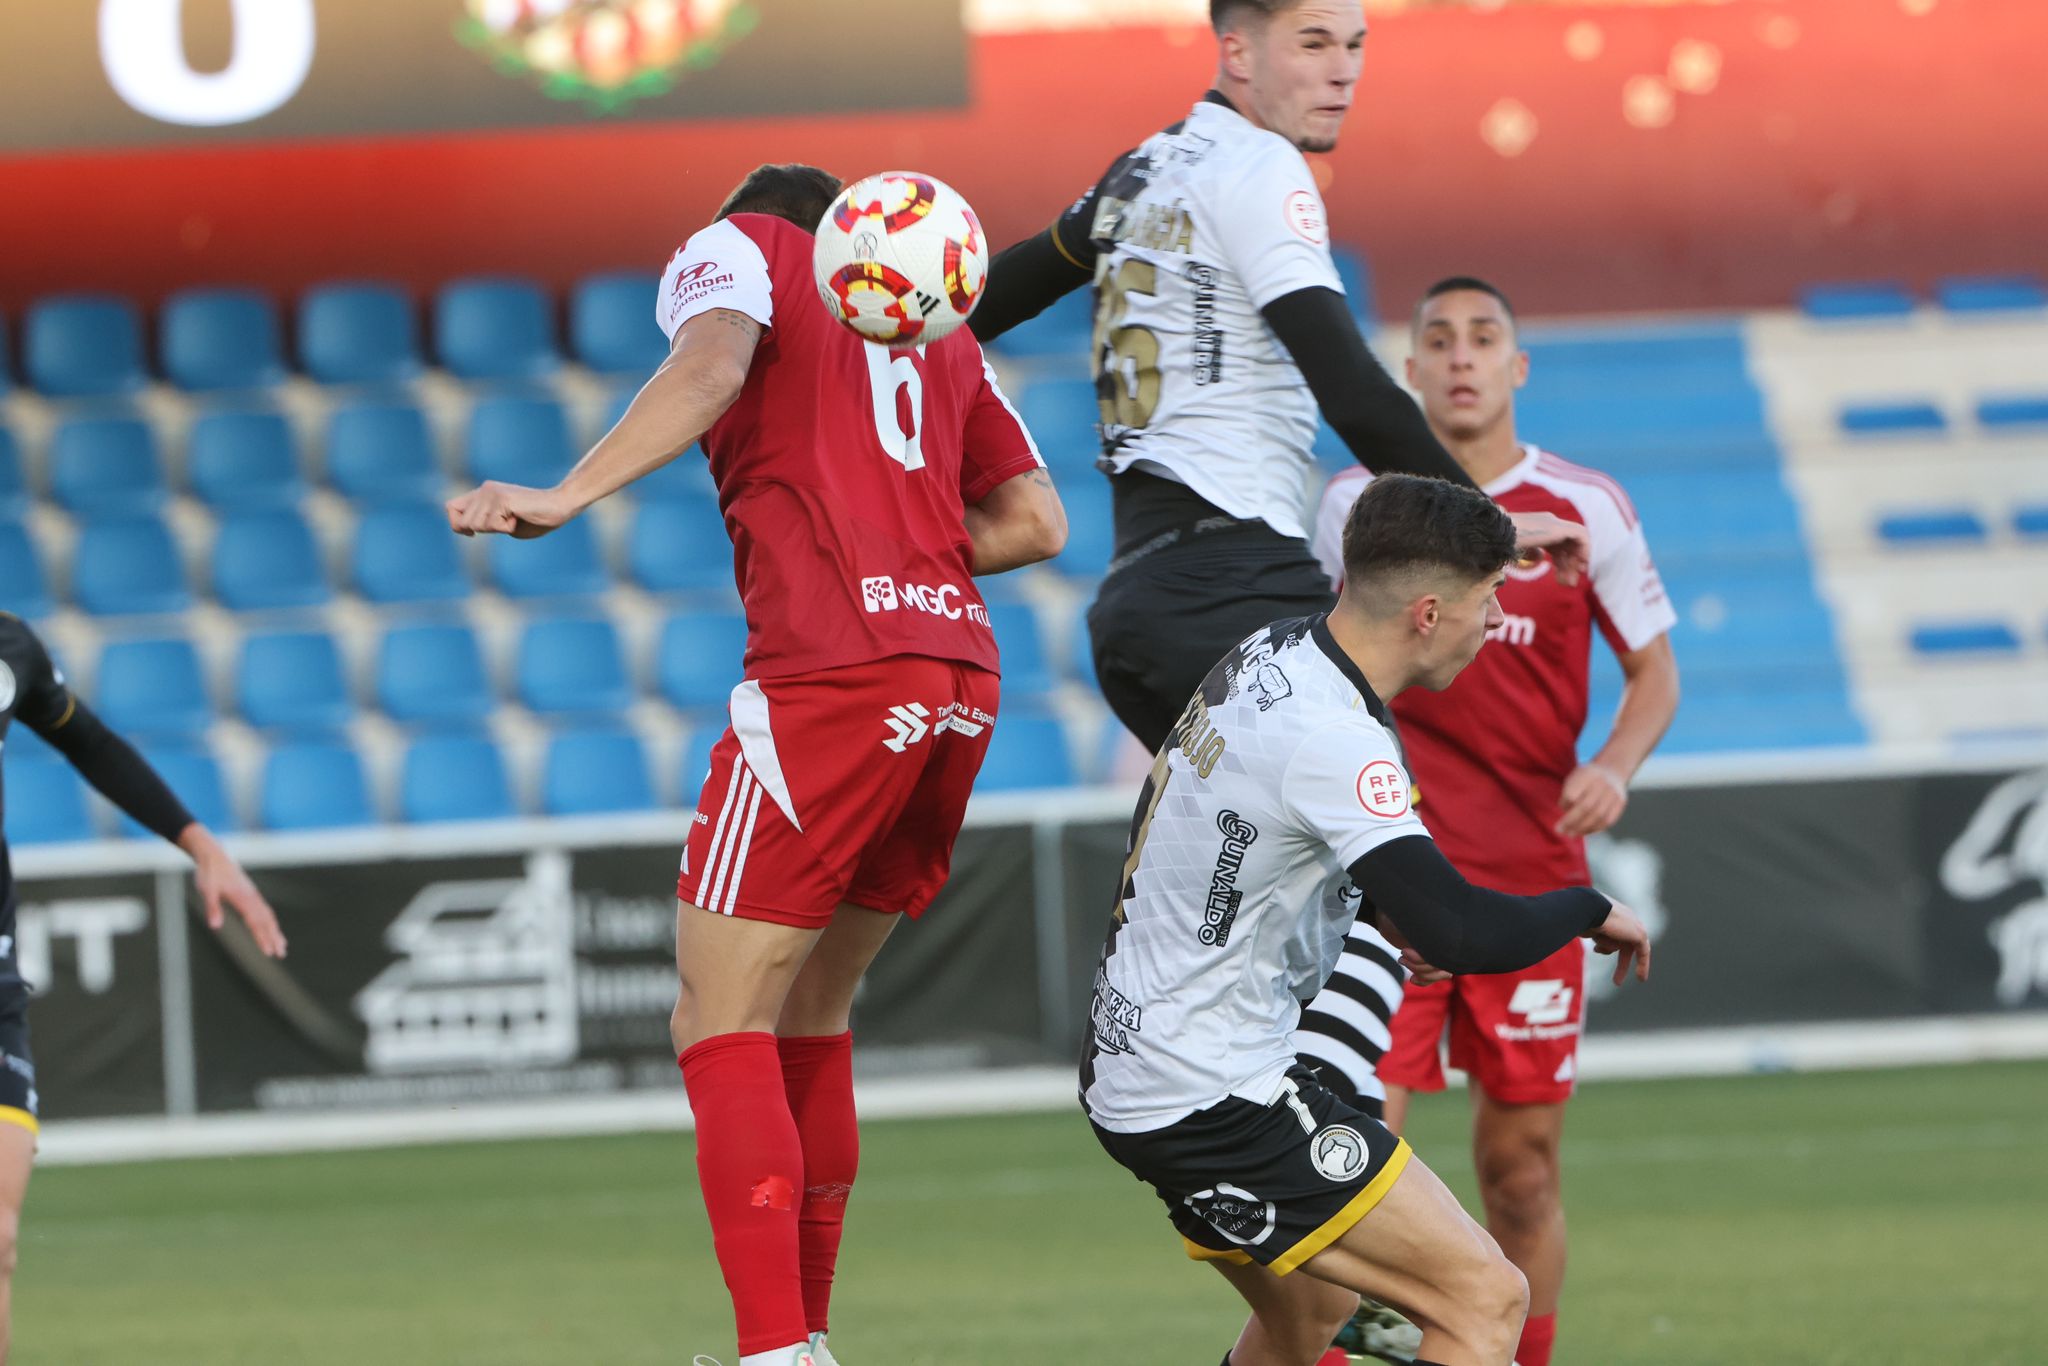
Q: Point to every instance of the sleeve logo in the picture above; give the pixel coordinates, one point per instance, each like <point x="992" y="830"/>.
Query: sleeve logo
<point x="1305" y="215"/>
<point x="1383" y="789"/>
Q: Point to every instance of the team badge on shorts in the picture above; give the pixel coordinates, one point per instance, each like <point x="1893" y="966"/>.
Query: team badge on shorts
<point x="1339" y="1152"/>
<point x="1235" y="1213"/>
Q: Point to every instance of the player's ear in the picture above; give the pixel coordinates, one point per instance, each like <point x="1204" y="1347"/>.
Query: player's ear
<point x="1521" y="364"/>
<point x="1426" y="611"/>
<point x="1237" y="53"/>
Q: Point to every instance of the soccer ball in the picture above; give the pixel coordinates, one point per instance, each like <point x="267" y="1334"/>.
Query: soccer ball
<point x="900" y="259"/>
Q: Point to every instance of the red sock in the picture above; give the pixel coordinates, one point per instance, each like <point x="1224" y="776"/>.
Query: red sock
<point x="750" y="1165"/>
<point x="1336" y="1356"/>
<point x="1539" y="1334"/>
<point x="817" y="1075"/>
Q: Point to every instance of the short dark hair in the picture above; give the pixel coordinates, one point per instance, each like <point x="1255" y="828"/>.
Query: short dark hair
<point x="1404" y="524"/>
<point x="788" y="190"/>
<point x="1458" y="283"/>
<point x="1223" y="12"/>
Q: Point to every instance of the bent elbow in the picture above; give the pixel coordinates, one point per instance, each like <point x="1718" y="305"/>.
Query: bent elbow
<point x="1051" y="530"/>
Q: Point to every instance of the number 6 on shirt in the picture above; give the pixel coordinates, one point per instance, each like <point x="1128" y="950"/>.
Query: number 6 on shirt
<point x="896" y="384"/>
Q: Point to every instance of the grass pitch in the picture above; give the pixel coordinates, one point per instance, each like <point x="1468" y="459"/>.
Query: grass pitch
<point x="1863" y="1219"/>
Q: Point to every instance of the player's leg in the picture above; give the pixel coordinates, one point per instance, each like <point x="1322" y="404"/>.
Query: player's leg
<point x="816" y="1044"/>
<point x="1515" y="1153"/>
<point x="1413" y="1060"/>
<point x="1395" y="1108"/>
<point x="1293" y="1317"/>
<point x="1418" y="1249"/>
<point x="17" y="1157"/>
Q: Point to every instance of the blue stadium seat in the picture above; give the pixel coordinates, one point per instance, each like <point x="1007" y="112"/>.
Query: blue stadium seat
<point x="362" y="333"/>
<point x="404" y="552"/>
<point x="519" y="439"/>
<point x="1062" y="415"/>
<point x="245" y="460"/>
<point x="700" y="659"/>
<point x="152" y="688"/>
<point x="6" y="362"/>
<point x="587" y="772"/>
<point x="495" y="329"/>
<point x="611" y="324"/>
<point x="1356" y="275"/>
<point x="14" y="494"/>
<point x="1081" y="651"/>
<point x="1878" y="299"/>
<point x="381" y="452"/>
<point x="1991" y="293"/>
<point x="564" y="563"/>
<point x="126" y="565"/>
<point x="454" y="778"/>
<point x="695" y="766"/>
<point x="433" y="673"/>
<point x="1575" y="420"/>
<point x="1933" y="525"/>
<point x="679" y="545"/>
<point x="2013" y="410"/>
<point x="573" y="666"/>
<point x="1916" y="417"/>
<point x="2030" y="522"/>
<point x="1091" y="529"/>
<point x="1026" y="750"/>
<point x="1063" y="332"/>
<point x="24" y="588"/>
<point x="106" y="464"/>
<point x="1022" y="645"/>
<point x="213" y="339"/>
<point x="314" y="785"/>
<point x="293" y="681"/>
<point x="45" y="800"/>
<point x="686" y="476"/>
<point x="1965" y="638"/>
<point x="83" y="345"/>
<point x="268" y="558"/>
<point x="190" y="770"/>
<point x="1665" y="356"/>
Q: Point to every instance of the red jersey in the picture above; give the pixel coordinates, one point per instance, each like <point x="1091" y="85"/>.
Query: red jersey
<point x="843" y="468"/>
<point x="1491" y="752"/>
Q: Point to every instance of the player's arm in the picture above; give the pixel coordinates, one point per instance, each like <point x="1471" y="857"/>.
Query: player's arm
<point x="1021" y="521"/>
<point x="124" y="777"/>
<point x="1461" y="928"/>
<point x="1031" y="276"/>
<point x="1596" y="793"/>
<point x="706" y="368"/>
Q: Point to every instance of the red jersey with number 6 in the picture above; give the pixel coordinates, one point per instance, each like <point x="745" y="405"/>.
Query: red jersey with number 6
<point x="844" y="468"/>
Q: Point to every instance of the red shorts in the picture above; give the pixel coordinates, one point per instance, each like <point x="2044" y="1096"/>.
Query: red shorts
<point x="1516" y="1033"/>
<point x="845" y="785"/>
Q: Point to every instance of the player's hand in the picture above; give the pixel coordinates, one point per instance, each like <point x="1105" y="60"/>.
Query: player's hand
<point x="1420" y="972"/>
<point x="509" y="510"/>
<point x="1593" y="799"/>
<point x="1567" y="543"/>
<point x="1624" y="935"/>
<point x="222" y="882"/>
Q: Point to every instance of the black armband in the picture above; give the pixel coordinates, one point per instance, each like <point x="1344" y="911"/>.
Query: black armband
<point x="1462" y="928"/>
<point x="1380" y="424"/>
<point x="124" y="777"/>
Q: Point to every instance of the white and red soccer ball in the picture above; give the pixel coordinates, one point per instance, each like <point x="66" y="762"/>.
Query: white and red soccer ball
<point x="900" y="258"/>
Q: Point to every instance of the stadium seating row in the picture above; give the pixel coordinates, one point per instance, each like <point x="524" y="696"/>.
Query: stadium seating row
<point x="1965" y="294"/>
<point x="215" y="340"/>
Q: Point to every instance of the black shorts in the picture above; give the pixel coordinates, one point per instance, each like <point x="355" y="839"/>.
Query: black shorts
<point x="1258" y="1183"/>
<point x="17" y="1068"/>
<point x="1159" y="626"/>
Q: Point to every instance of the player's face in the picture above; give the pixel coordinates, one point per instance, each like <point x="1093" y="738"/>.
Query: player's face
<point x="1467" y="363"/>
<point x="1463" y="619"/>
<point x="1303" y="67"/>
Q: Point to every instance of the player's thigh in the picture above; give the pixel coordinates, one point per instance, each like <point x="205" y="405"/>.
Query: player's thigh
<point x="17" y="1160"/>
<point x="1302" y="1311"/>
<point x="18" y="1104"/>
<point x="735" y="972"/>
<point x="1518" y="1033"/>
<point x="1418" y="1250"/>
<point x="820" y="1001"/>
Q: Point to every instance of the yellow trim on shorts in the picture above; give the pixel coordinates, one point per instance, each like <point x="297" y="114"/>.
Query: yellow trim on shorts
<point x="1198" y="1253"/>
<point x="1342" y="1221"/>
<point x="1061" y="247"/>
<point x="11" y="1114"/>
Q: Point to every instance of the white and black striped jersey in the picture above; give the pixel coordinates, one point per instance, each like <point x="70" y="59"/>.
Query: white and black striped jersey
<point x="1195" y="232"/>
<point x="1236" y="901"/>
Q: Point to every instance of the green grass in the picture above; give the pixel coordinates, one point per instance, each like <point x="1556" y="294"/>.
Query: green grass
<point x="1860" y="1219"/>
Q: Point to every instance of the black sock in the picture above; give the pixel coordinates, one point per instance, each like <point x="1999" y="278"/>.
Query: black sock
<point x="1226" y="1359"/>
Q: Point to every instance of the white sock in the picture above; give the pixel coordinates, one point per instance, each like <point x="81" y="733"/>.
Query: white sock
<point x="821" y="1351"/>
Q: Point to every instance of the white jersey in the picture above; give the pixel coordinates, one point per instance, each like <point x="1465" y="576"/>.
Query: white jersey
<point x="1236" y="900"/>
<point x="1196" y="231"/>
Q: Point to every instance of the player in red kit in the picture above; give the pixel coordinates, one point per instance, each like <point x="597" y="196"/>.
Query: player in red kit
<point x="1500" y="785"/>
<point x="863" y="489"/>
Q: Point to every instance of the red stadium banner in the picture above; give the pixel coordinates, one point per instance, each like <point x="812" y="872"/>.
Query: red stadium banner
<point x="127" y="73"/>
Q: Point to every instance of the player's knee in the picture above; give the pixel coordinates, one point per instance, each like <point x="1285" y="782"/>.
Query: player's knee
<point x="1519" y="1184"/>
<point x="1308" y="1325"/>
<point x="1502" y="1297"/>
<point x="10" y="1231"/>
